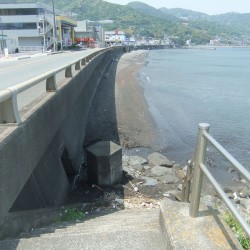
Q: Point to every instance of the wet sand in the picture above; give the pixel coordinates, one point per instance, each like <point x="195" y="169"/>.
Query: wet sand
<point x="119" y="111"/>
<point x="135" y="124"/>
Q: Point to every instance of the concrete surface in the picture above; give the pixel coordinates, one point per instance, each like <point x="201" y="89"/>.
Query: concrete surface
<point x="169" y="227"/>
<point x="127" y="229"/>
<point x="104" y="160"/>
<point x="206" y="232"/>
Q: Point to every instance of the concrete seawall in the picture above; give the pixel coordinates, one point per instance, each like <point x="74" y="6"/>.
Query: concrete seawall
<point x="32" y="173"/>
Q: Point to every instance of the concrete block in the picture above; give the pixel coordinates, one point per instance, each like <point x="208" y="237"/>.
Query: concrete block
<point x="104" y="160"/>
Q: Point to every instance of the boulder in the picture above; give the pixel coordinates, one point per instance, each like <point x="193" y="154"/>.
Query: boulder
<point x="169" y="179"/>
<point x="149" y="181"/>
<point x="137" y="160"/>
<point x="177" y="167"/>
<point x="138" y="167"/>
<point x="157" y="159"/>
<point x="160" y="171"/>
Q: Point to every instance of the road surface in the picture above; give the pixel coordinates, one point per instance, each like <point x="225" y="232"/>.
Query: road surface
<point x="17" y="71"/>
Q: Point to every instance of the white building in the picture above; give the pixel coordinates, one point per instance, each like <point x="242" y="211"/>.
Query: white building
<point x="29" y="26"/>
<point x="114" y="37"/>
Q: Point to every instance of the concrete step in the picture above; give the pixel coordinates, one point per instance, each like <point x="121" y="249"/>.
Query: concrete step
<point x="123" y="220"/>
<point x="127" y="229"/>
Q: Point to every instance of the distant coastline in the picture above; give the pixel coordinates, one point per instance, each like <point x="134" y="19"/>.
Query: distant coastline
<point x="214" y="47"/>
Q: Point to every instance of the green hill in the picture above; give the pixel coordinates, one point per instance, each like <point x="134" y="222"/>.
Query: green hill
<point x="142" y="20"/>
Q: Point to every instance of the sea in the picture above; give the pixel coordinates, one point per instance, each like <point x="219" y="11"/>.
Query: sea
<point x="185" y="87"/>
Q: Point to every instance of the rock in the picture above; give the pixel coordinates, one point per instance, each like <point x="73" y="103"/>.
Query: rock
<point x="177" y="167"/>
<point x="227" y="190"/>
<point x="169" y="179"/>
<point x="181" y="174"/>
<point x="244" y="181"/>
<point x="149" y="181"/>
<point x="157" y="159"/>
<point x="146" y="167"/>
<point x="177" y="194"/>
<point x="170" y="196"/>
<point x="185" y="168"/>
<point x="125" y="158"/>
<point x="180" y="187"/>
<point x="119" y="201"/>
<point x="137" y="160"/>
<point x="244" y="195"/>
<point x="237" y="201"/>
<point x="138" y="167"/>
<point x="160" y="171"/>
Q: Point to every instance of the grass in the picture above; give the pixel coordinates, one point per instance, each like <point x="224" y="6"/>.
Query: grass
<point x="237" y="230"/>
<point x="71" y="214"/>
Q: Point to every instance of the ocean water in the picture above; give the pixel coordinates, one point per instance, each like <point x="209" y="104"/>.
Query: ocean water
<point x="184" y="87"/>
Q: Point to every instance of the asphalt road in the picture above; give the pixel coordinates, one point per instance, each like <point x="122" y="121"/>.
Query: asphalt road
<point x="14" y="72"/>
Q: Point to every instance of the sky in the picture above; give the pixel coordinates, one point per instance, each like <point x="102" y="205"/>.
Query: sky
<point x="210" y="7"/>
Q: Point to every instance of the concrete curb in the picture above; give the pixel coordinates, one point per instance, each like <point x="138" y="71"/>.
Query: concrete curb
<point x="205" y="232"/>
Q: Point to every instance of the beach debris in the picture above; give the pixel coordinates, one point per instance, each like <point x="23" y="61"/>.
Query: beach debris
<point x="134" y="187"/>
<point x="235" y="195"/>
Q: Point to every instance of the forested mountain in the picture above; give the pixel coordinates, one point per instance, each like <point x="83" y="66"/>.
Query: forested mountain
<point x="140" y="19"/>
<point x="233" y="21"/>
<point x="151" y="11"/>
<point x="185" y="14"/>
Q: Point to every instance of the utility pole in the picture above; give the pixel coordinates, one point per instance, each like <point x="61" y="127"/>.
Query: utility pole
<point x="1" y="35"/>
<point x="54" y="28"/>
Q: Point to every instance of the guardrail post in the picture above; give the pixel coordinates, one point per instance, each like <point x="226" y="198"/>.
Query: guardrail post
<point x="78" y="66"/>
<point x="51" y="84"/>
<point x="9" y="112"/>
<point x="198" y="175"/>
<point x="68" y="72"/>
<point x="87" y="59"/>
<point x="83" y="62"/>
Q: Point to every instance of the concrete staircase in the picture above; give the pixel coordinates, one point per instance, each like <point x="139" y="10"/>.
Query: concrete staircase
<point x="127" y="229"/>
<point x="169" y="227"/>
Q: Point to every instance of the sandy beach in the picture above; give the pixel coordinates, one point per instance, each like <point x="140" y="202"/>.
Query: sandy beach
<point x="119" y="107"/>
<point x="135" y="124"/>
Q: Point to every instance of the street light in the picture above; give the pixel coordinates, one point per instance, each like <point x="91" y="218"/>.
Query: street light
<point x="54" y="29"/>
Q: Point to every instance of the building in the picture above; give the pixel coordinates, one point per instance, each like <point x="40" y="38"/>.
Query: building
<point x="89" y="34"/>
<point x="30" y="26"/>
<point x="114" y="37"/>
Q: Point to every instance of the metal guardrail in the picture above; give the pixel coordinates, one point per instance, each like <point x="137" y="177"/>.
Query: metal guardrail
<point x="200" y="169"/>
<point x="9" y="113"/>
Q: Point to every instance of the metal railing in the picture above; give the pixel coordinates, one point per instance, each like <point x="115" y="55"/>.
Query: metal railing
<point x="200" y="168"/>
<point x="9" y="112"/>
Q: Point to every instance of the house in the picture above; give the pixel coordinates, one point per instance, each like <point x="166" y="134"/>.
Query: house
<point x="30" y="26"/>
<point x="114" y="37"/>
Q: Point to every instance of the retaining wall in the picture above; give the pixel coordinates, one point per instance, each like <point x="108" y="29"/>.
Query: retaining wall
<point x="31" y="171"/>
